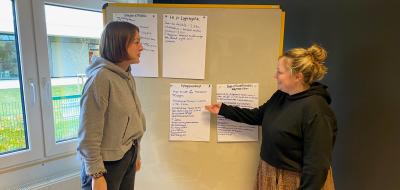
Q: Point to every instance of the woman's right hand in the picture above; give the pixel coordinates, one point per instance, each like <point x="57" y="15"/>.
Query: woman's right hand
<point x="99" y="183"/>
<point x="213" y="108"/>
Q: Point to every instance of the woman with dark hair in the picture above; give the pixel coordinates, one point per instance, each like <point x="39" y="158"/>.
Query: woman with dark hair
<point x="298" y="126"/>
<point x="111" y="120"/>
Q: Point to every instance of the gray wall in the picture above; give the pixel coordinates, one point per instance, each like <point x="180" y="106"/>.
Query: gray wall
<point x="362" y="38"/>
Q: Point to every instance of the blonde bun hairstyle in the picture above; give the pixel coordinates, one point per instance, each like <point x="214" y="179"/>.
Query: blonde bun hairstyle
<point x="309" y="62"/>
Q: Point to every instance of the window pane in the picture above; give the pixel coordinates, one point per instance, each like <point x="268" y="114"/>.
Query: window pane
<point x="73" y="37"/>
<point x="13" y="135"/>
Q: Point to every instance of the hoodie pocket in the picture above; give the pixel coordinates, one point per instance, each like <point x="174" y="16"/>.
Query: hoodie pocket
<point x="126" y="128"/>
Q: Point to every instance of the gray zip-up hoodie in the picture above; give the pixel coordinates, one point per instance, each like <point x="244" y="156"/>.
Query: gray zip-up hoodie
<point x="111" y="117"/>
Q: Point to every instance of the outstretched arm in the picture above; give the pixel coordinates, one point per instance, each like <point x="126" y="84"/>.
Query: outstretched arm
<point x="243" y="115"/>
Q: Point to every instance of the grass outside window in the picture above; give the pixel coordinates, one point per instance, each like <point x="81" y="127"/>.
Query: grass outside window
<point x="66" y="115"/>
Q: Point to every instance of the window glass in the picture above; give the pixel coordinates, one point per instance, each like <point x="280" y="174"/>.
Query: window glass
<point x="73" y="38"/>
<point x="13" y="136"/>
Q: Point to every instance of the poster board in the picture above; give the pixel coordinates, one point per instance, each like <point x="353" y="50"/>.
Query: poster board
<point x="243" y="45"/>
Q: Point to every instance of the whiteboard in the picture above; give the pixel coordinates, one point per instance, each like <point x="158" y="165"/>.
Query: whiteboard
<point x="243" y="45"/>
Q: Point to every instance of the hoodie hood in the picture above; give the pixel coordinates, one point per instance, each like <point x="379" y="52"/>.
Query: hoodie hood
<point x="316" y="88"/>
<point x="99" y="62"/>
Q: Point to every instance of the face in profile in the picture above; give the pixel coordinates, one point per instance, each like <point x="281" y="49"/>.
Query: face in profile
<point x="286" y="81"/>
<point x="134" y="49"/>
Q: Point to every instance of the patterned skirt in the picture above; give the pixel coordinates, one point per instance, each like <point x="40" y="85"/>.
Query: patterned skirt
<point x="271" y="178"/>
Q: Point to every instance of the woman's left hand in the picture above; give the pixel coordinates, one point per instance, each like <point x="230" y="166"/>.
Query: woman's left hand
<point x="138" y="165"/>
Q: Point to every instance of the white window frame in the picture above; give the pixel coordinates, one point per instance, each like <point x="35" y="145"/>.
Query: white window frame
<point x="43" y="151"/>
<point x="34" y="61"/>
<point x="30" y="86"/>
<point x="51" y="147"/>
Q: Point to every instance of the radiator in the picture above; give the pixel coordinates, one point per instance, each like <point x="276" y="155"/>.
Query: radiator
<point x="65" y="182"/>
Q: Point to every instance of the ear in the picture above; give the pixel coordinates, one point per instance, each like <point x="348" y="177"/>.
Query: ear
<point x="299" y="76"/>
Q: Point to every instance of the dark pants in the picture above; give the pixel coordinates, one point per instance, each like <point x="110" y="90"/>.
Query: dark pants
<point x="120" y="174"/>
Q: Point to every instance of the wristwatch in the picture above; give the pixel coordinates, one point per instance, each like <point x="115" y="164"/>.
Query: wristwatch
<point x="97" y="175"/>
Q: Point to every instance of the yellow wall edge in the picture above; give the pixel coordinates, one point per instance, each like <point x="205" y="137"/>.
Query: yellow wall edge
<point x="195" y="6"/>
<point x="282" y="33"/>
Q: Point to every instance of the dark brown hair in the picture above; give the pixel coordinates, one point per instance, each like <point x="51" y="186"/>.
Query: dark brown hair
<point x="115" y="39"/>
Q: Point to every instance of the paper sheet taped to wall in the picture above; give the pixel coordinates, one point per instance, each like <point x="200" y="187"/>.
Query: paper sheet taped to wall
<point x="147" y="23"/>
<point x="189" y="121"/>
<point x="241" y="95"/>
<point x="184" y="47"/>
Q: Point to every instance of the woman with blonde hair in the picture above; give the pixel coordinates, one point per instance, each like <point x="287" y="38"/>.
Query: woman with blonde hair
<point x="298" y="126"/>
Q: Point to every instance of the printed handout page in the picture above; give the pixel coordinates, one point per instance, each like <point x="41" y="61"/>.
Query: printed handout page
<point x="241" y="95"/>
<point x="184" y="46"/>
<point x="189" y="120"/>
<point x="147" y="23"/>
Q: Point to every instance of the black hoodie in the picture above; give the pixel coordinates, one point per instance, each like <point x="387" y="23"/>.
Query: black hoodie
<point x="298" y="132"/>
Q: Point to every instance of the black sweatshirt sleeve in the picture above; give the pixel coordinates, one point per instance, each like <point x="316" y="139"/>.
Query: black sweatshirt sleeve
<point x="243" y="115"/>
<point x="318" y="138"/>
